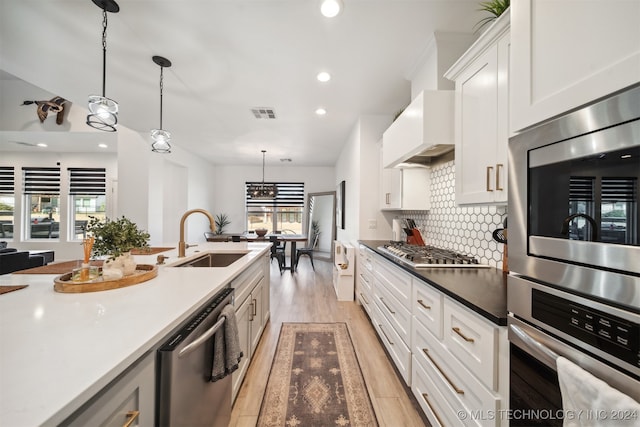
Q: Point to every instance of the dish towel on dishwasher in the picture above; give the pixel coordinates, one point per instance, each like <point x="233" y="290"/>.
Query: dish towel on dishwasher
<point x="589" y="401"/>
<point x="226" y="345"/>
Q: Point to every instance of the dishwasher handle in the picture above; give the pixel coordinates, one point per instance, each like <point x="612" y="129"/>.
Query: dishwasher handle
<point x="202" y="338"/>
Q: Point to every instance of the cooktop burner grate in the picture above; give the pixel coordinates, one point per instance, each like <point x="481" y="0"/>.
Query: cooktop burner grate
<point x="429" y="256"/>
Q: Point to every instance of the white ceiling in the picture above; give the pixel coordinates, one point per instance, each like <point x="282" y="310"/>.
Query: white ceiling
<point x="230" y="56"/>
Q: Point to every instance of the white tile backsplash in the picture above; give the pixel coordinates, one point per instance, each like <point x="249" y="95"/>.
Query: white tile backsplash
<point x="466" y="229"/>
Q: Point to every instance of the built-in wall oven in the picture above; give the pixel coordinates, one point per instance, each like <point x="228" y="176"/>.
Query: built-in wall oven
<point x="574" y="255"/>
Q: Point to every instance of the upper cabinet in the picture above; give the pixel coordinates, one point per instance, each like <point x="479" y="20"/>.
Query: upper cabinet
<point x="405" y="189"/>
<point x="481" y="78"/>
<point x="566" y="54"/>
<point x="425" y="127"/>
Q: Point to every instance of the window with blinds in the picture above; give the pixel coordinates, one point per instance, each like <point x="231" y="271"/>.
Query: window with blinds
<point x="619" y="189"/>
<point x="87" y="190"/>
<point x="581" y="188"/>
<point x="283" y="213"/>
<point x="41" y="192"/>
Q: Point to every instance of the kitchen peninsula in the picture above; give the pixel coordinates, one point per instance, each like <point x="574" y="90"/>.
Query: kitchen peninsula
<point x="60" y="350"/>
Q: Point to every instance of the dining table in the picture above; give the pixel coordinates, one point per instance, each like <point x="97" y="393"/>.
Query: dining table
<point x="282" y="237"/>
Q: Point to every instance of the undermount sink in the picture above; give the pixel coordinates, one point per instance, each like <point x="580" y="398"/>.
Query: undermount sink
<point x="221" y="259"/>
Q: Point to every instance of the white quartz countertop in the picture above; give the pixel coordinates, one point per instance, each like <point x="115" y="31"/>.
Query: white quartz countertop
<point x="59" y="349"/>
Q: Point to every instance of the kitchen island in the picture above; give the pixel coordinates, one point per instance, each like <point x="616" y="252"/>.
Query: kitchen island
<point x="59" y="350"/>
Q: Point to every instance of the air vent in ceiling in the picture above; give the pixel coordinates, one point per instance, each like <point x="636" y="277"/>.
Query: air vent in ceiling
<point x="263" y="113"/>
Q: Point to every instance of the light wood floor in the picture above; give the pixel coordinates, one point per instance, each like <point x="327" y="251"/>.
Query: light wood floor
<point x="308" y="296"/>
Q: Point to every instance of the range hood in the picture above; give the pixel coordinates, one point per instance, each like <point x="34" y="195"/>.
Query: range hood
<point x="423" y="131"/>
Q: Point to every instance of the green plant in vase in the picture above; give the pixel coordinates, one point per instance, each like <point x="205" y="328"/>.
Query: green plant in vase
<point x="115" y="237"/>
<point x="495" y="8"/>
<point x="222" y="220"/>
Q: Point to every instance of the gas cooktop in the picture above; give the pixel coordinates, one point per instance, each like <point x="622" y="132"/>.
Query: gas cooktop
<point x="429" y="256"/>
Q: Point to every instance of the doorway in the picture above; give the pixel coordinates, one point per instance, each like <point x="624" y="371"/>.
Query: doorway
<point x="321" y="220"/>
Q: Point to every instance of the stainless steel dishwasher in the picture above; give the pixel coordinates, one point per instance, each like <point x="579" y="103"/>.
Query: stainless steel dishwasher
<point x="186" y="396"/>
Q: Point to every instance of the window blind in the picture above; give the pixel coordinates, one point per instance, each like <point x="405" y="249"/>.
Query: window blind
<point x="89" y="181"/>
<point x="290" y="194"/>
<point x="619" y="189"/>
<point x="41" y="180"/>
<point x="581" y="189"/>
<point x="7" y="180"/>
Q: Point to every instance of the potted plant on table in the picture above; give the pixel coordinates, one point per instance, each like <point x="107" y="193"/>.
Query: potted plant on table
<point x="115" y="239"/>
<point x="222" y="220"/>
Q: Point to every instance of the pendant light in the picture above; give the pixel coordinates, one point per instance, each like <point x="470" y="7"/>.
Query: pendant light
<point x="161" y="138"/>
<point x="262" y="191"/>
<point x="103" y="112"/>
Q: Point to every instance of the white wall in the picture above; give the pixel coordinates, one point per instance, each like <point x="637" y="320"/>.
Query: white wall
<point x="358" y="165"/>
<point x="442" y="51"/>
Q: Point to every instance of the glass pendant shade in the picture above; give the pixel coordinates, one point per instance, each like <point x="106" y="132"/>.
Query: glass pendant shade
<point x="103" y="113"/>
<point x="161" y="141"/>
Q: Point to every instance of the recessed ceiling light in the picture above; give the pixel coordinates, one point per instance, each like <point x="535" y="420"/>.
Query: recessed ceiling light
<point x="330" y="8"/>
<point x="103" y="146"/>
<point x="323" y="76"/>
<point x="42" y="144"/>
<point x="321" y="111"/>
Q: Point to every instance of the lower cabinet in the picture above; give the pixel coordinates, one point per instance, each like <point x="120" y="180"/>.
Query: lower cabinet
<point x="455" y="360"/>
<point x="364" y="281"/>
<point x="252" y="313"/>
<point x="128" y="400"/>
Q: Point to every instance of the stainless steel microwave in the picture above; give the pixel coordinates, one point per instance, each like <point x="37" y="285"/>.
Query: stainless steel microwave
<point x="573" y="200"/>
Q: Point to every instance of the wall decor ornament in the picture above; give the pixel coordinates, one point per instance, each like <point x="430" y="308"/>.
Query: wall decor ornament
<point x="55" y="105"/>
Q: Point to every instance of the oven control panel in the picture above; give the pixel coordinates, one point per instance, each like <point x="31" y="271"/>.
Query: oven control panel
<point x="616" y="336"/>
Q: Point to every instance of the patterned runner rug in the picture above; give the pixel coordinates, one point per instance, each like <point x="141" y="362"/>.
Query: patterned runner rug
<point x="315" y="380"/>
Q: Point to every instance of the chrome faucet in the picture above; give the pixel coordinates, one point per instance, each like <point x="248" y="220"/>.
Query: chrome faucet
<point x="594" y="226"/>
<point x="182" y="246"/>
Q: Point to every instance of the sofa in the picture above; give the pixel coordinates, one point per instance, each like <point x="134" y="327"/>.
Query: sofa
<point x="12" y="260"/>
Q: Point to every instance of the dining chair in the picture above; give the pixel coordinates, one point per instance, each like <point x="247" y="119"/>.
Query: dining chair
<point x="308" y="251"/>
<point x="277" y="252"/>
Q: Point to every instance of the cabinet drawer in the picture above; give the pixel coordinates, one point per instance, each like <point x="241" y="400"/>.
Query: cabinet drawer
<point x="461" y="389"/>
<point x="395" y="280"/>
<point x="397" y="314"/>
<point x="398" y="350"/>
<point x="433" y="404"/>
<point x="427" y="308"/>
<point x="365" y="296"/>
<point x="472" y="340"/>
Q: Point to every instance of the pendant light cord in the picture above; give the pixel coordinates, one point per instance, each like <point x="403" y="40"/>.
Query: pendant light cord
<point x="104" y="52"/>
<point x="161" y="88"/>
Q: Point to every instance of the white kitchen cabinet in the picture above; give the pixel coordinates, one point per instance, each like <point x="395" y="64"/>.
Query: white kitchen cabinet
<point x="392" y="308"/>
<point x="427" y="122"/>
<point x="364" y="284"/>
<point x="251" y="300"/>
<point x="567" y="54"/>
<point x="481" y="78"/>
<point x="405" y="189"/>
<point x="459" y="360"/>
<point x="129" y="398"/>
